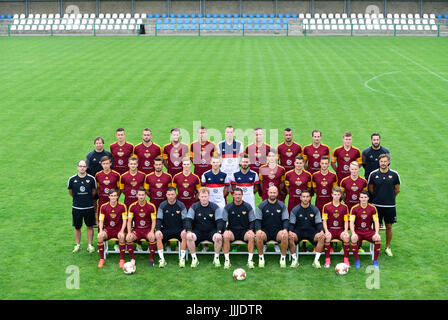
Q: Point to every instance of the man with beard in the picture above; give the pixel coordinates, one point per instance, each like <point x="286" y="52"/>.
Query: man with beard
<point x="146" y="152"/>
<point x="121" y="151"/>
<point x="247" y="180"/>
<point x="157" y="182"/>
<point x="314" y="152"/>
<point x="174" y="152"/>
<point x="370" y="155"/>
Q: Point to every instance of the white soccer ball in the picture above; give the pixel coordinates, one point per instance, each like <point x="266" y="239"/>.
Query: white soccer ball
<point x="129" y="268"/>
<point x="239" y="274"/>
<point x="341" y="269"/>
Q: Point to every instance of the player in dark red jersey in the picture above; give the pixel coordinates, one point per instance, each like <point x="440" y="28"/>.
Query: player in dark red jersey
<point x="352" y="186"/>
<point x="187" y="184"/>
<point x="286" y="152"/>
<point x="313" y="152"/>
<point x="257" y="151"/>
<point x="121" y="151"/>
<point x="130" y="181"/>
<point x="201" y="153"/>
<point x="344" y="155"/>
<point x="146" y="151"/>
<point x="362" y="216"/>
<point x="335" y="217"/>
<point x="323" y="181"/>
<point x="157" y="182"/>
<point x="113" y="222"/>
<point x="174" y="152"/>
<point x="143" y="213"/>
<point x="106" y="179"/>
<point x="271" y="174"/>
<point x="296" y="181"/>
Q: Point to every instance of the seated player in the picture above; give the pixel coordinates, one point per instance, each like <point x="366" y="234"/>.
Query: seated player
<point x="187" y="184"/>
<point x="143" y="214"/>
<point x="169" y="225"/>
<point x="204" y="222"/>
<point x="305" y="223"/>
<point x="272" y="174"/>
<point x="217" y="182"/>
<point x="241" y="222"/>
<point x="113" y="220"/>
<point x="335" y="218"/>
<point x="272" y="224"/>
<point x="362" y="216"/>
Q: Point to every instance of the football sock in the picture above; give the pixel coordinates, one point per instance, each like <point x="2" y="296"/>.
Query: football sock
<point x="193" y="255"/>
<point x="261" y="257"/>
<point x="227" y="256"/>
<point x="251" y="255"/>
<point x="355" y="250"/>
<point x="183" y="253"/>
<point x="152" y="250"/>
<point x="316" y="258"/>
<point x="282" y="258"/>
<point x="101" y="250"/>
<point x="122" y="250"/>
<point x="327" y="250"/>
<point x="376" y="248"/>
<point x="346" y="247"/>
<point x="160" y="252"/>
<point x="131" y="248"/>
<point x="216" y="255"/>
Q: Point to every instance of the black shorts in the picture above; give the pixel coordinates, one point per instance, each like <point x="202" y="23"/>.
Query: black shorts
<point x="238" y="234"/>
<point x="271" y="235"/>
<point x="306" y="235"/>
<point x="203" y="236"/>
<point x="389" y="214"/>
<point x="87" y="214"/>
<point x="171" y="234"/>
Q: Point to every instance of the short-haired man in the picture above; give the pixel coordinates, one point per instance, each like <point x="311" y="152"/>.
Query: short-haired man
<point x="146" y="152"/>
<point x="352" y="185"/>
<point x="201" y="153"/>
<point x="157" y="182"/>
<point x="314" y="152"/>
<point x="305" y="223"/>
<point x="121" y="151"/>
<point x="384" y="185"/>
<point x="371" y="154"/>
<point x="130" y="181"/>
<point x="113" y="222"/>
<point x="143" y="214"/>
<point x="344" y="155"/>
<point x="187" y="184"/>
<point x="271" y="174"/>
<point x="296" y="181"/>
<point x="174" y="152"/>
<point x="257" y="151"/>
<point x="82" y="188"/>
<point x="217" y="182"/>
<point x="230" y="150"/>
<point x="169" y="225"/>
<point x="204" y="222"/>
<point x="335" y="220"/>
<point x="323" y="181"/>
<point x="272" y="218"/>
<point x="288" y="150"/>
<point x="106" y="179"/>
<point x="240" y="218"/>
<point x="247" y="180"/>
<point x="93" y="157"/>
<point x="362" y="216"/>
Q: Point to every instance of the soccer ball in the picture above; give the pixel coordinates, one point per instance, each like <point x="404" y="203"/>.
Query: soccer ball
<point x="129" y="268"/>
<point x="341" y="269"/>
<point x="239" y="274"/>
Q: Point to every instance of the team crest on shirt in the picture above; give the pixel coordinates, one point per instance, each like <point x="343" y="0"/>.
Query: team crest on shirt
<point x="186" y="193"/>
<point x="185" y="185"/>
<point x="289" y="154"/>
<point x="251" y="179"/>
<point x="324" y="183"/>
<point x="120" y="153"/>
<point x="142" y="223"/>
<point x="354" y="197"/>
<point x="141" y="214"/>
<point x="211" y="215"/>
<point x="113" y="215"/>
<point x="336" y="215"/>
<point x="112" y="223"/>
<point x="278" y="210"/>
<point x="177" y="211"/>
<point x="106" y="182"/>
<point x="147" y="154"/>
<point x="159" y="193"/>
<point x="324" y="192"/>
<point x="120" y="162"/>
<point x="82" y="188"/>
<point x="364" y="216"/>
<point x="298" y="191"/>
<point x="176" y="163"/>
<point x="147" y="163"/>
<point x="215" y="190"/>
<point x="311" y="215"/>
<point x="106" y="190"/>
<point x="354" y="188"/>
<point x="298" y="182"/>
<point x="390" y="177"/>
<point x="133" y="183"/>
<point x="133" y="192"/>
<point x="316" y="155"/>
<point x="243" y="212"/>
<point x="159" y="185"/>
<point x="289" y="162"/>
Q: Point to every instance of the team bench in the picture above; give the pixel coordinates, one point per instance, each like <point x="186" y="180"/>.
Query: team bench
<point x="167" y="250"/>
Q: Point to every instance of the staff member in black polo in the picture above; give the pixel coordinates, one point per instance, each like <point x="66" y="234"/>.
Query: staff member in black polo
<point x="384" y="185"/>
<point x="82" y="187"/>
<point x="370" y="155"/>
<point x="93" y="158"/>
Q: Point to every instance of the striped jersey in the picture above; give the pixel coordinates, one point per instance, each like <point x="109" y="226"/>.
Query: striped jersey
<point x="247" y="183"/>
<point x="230" y="156"/>
<point x="216" y="184"/>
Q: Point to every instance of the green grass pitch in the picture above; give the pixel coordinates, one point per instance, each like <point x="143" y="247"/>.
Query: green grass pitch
<point x="57" y="94"/>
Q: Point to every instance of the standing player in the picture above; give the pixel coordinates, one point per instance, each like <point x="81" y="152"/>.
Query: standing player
<point x="82" y="188"/>
<point x="169" y="225"/>
<point x="230" y="150"/>
<point x="257" y="151"/>
<point x="187" y="184"/>
<point x="201" y="153"/>
<point x="174" y="152"/>
<point x="130" y="181"/>
<point x="247" y="180"/>
<point x="121" y="151"/>
<point x="384" y="185"/>
<point x="143" y="213"/>
<point x="204" y="222"/>
<point x="305" y="223"/>
<point x="240" y="218"/>
<point x="370" y="155"/>
<point x="335" y="217"/>
<point x="344" y="155"/>
<point x="352" y="186"/>
<point x="106" y="179"/>
<point x="217" y="182"/>
<point x="113" y="222"/>
<point x="271" y="223"/>
<point x="361" y="218"/>
<point x="157" y="183"/>
<point x="314" y="152"/>
<point x="296" y="181"/>
<point x="272" y="174"/>
<point x="93" y="157"/>
<point x="146" y="152"/>
<point x="323" y="181"/>
<point x="288" y="150"/>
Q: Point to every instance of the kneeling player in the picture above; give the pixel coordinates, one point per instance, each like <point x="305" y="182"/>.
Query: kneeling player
<point x="113" y="221"/>
<point x="272" y="224"/>
<point x="305" y="223"/>
<point x="204" y="222"/>
<point x="361" y="217"/>
<point x="143" y="213"/>
<point x="241" y="222"/>
<point x="335" y="218"/>
<point x="169" y="225"/>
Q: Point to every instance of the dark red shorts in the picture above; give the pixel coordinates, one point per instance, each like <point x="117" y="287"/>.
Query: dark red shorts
<point x="141" y="233"/>
<point x="111" y="232"/>
<point x="336" y="233"/>
<point x="365" y="235"/>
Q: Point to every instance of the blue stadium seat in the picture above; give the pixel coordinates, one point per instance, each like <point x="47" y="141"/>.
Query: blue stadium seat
<point x="249" y="27"/>
<point x="229" y="21"/>
<point x="221" y="21"/>
<point x="243" y="21"/>
<point x="179" y="27"/>
<point x="236" y="16"/>
<point x="179" y="15"/>
<point x="221" y="27"/>
<point x="263" y="27"/>
<point x="171" y="26"/>
<point x="278" y="27"/>
<point x="235" y="27"/>
<point x="164" y="15"/>
<point x="208" y="15"/>
<point x="244" y="16"/>
<point x="186" y="15"/>
<point x="214" y="27"/>
<point x="159" y="21"/>
<point x="214" y="21"/>
<point x="150" y="16"/>
<point x="263" y="21"/>
<point x="173" y="21"/>
<point x="229" y="16"/>
<point x="439" y="16"/>
<point x="9" y="16"/>
<point x="193" y="15"/>
<point x="222" y="15"/>
<point x="165" y="27"/>
<point x="157" y="16"/>
<point x="206" y="27"/>
<point x="180" y="21"/>
<point x="201" y="20"/>
<point x="285" y="21"/>
<point x="446" y="16"/>
<point x="159" y="27"/>
<point x="271" y="21"/>
<point x="194" y="21"/>
<point x="256" y="21"/>
<point x="251" y="16"/>
<point x="256" y="27"/>
<point x="166" y="21"/>
<point x="278" y="21"/>
<point x="294" y="15"/>
<point x="172" y="15"/>
<point x="272" y="15"/>
<point x="2" y="16"/>
<point x="215" y="15"/>
<point x="228" y="27"/>
<point x="285" y="26"/>
<point x="208" y="20"/>
<point x="249" y="21"/>
<point x="200" y="15"/>
<point x="186" y="27"/>
<point x="280" y="16"/>
<point x="287" y="16"/>
<point x="258" y="15"/>
<point x="193" y="27"/>
<point x="271" y="27"/>
<point x="265" y="15"/>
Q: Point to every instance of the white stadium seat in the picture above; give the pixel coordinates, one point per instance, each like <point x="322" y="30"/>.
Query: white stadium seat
<point x="434" y="28"/>
<point x="117" y="27"/>
<point x="389" y="16"/>
<point x="92" y="16"/>
<point x="305" y="21"/>
<point x="317" y="15"/>
<point x="360" y="16"/>
<point x="14" y="27"/>
<point x="114" y="15"/>
<point x="103" y="27"/>
<point x="383" y="27"/>
<point x="396" y="16"/>
<point x="344" y="16"/>
<point x="47" y="27"/>
<point x="31" y="16"/>
<point x="356" y="27"/>
<point x="312" y="21"/>
<point x="390" y="27"/>
<point x="76" y="27"/>
<point x="110" y="27"/>
<point x="405" y="27"/>
<point x="132" y="21"/>
<point x="330" y="16"/>
<point x="121" y="16"/>
<point x="362" y="27"/>
<point x="376" y="27"/>
<point x="308" y="16"/>
<point x="107" y="16"/>
<point x="111" y="21"/>
<point x="15" y="16"/>
<point x="432" y="21"/>
<point x="128" y="16"/>
<point x="57" y="16"/>
<point x="89" y="27"/>
<point x="33" y="28"/>
<point x="334" y="27"/>
<point x="20" y="27"/>
<point x="425" y="16"/>
<point x="313" y="27"/>
<point x="348" y="27"/>
<point x="320" y="27"/>
<point x="398" y="27"/>
<point x="118" y="21"/>
<point x="22" y="16"/>
<point x="382" y="21"/>
<point x="69" y="27"/>
<point x="139" y="21"/>
<point x="337" y="16"/>
<point x="124" y="27"/>
<point x="327" y="27"/>
<point x="420" y="27"/>
<point x="82" y="27"/>
<point x="125" y="21"/>
<point x="27" y="27"/>
<point x="381" y="16"/>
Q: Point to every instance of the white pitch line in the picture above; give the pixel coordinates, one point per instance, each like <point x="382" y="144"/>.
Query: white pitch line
<point x="418" y="64"/>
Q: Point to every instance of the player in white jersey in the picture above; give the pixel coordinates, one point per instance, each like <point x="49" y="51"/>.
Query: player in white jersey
<point x="229" y="150"/>
<point x="247" y="180"/>
<point x="217" y="183"/>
